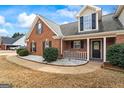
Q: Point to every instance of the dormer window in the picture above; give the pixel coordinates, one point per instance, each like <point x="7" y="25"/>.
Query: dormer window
<point x="88" y="22"/>
<point x="39" y="28"/>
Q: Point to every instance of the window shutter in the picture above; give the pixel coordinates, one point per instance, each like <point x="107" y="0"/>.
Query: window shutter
<point x="94" y="21"/>
<point x="81" y="23"/>
<point x="35" y="46"/>
<point x="82" y="44"/>
<point x="71" y="44"/>
<point x="50" y="44"/>
<point x="43" y="46"/>
<point x="31" y="46"/>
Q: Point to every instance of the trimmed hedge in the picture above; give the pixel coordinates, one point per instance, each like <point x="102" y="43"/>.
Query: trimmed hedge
<point x="23" y="52"/>
<point x="18" y="50"/>
<point x="115" y="55"/>
<point x="50" y="54"/>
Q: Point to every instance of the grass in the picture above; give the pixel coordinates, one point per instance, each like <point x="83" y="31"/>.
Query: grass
<point x="18" y="76"/>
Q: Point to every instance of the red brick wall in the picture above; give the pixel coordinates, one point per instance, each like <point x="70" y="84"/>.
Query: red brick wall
<point x="2" y="47"/>
<point x="120" y="39"/>
<point x="40" y="38"/>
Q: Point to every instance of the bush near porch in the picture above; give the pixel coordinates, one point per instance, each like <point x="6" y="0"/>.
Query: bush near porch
<point x="22" y="52"/>
<point x="115" y="55"/>
<point x="50" y="54"/>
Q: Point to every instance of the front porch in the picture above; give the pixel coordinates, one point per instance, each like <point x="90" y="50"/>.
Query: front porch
<point x="88" y="48"/>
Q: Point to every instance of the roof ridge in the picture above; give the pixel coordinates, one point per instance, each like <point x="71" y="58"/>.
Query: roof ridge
<point x="48" y="19"/>
<point x="69" y="23"/>
<point x="107" y="14"/>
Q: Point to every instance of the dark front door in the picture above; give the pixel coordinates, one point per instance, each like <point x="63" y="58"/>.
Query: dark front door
<point x="96" y="49"/>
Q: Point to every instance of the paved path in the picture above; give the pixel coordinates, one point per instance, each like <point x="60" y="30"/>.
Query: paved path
<point x="90" y="67"/>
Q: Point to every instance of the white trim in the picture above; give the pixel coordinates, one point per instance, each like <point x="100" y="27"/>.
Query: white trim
<point x="104" y="49"/>
<point x="94" y="35"/>
<point x="83" y="8"/>
<point x="118" y="11"/>
<point x="90" y="30"/>
<point x="100" y="48"/>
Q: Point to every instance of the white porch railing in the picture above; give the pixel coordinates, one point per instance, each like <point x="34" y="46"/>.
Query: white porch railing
<point x="75" y="55"/>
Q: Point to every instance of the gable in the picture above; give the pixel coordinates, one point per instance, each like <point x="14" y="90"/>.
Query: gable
<point x="87" y="11"/>
<point x="55" y="28"/>
<point x="45" y="30"/>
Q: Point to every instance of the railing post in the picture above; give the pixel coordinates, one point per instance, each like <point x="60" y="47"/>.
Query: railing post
<point x="87" y="49"/>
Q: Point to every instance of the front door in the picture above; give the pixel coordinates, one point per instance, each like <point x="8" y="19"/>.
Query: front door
<point x="96" y="47"/>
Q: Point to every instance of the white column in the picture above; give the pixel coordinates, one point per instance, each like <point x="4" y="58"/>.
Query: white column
<point x="104" y="49"/>
<point x="61" y="46"/>
<point x="88" y="53"/>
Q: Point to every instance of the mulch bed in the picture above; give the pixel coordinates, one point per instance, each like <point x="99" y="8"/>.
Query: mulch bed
<point x="107" y="65"/>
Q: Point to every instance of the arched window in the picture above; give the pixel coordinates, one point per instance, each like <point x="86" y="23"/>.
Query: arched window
<point x="39" y="28"/>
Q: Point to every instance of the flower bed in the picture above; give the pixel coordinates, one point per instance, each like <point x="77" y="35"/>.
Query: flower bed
<point x="107" y="65"/>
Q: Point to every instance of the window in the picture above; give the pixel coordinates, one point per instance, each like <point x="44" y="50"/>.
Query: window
<point x="33" y="46"/>
<point x="77" y="44"/>
<point x="81" y="23"/>
<point x="87" y="22"/>
<point x="46" y="44"/>
<point x="39" y="28"/>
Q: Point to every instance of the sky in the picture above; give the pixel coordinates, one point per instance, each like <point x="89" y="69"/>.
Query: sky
<point x="19" y="18"/>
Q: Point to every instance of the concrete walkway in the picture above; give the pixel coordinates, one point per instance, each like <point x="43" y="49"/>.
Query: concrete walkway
<point x="90" y="67"/>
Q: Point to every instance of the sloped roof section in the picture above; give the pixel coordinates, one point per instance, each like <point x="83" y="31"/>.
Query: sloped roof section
<point x="20" y="41"/>
<point x="54" y="26"/>
<point x="70" y="28"/>
<point x="108" y="23"/>
<point x="6" y="40"/>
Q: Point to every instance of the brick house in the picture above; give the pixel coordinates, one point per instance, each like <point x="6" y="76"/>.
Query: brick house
<point x="87" y="38"/>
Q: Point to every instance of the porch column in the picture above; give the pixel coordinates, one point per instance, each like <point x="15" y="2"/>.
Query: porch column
<point x="88" y="49"/>
<point x="104" y="49"/>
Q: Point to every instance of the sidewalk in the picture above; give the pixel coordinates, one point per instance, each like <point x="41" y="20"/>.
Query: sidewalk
<point x="90" y="67"/>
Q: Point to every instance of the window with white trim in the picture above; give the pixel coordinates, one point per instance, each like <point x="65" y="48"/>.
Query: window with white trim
<point x="77" y="44"/>
<point x="87" y="22"/>
<point x="33" y="46"/>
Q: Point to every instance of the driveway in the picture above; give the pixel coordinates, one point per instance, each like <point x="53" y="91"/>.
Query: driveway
<point x="7" y="52"/>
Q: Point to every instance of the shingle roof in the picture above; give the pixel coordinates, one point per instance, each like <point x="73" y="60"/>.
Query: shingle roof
<point x="53" y="25"/>
<point x="108" y="23"/>
<point x="6" y="40"/>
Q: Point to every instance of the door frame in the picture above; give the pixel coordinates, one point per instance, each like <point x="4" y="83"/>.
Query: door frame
<point x="101" y="50"/>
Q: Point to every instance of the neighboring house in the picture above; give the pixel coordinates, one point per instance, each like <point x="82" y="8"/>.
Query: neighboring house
<point x="6" y="43"/>
<point x="89" y="36"/>
<point x="20" y="43"/>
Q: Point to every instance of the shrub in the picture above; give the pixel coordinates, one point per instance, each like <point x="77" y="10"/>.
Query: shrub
<point x="50" y="54"/>
<point x="18" y="50"/>
<point x="23" y="52"/>
<point x="115" y="55"/>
